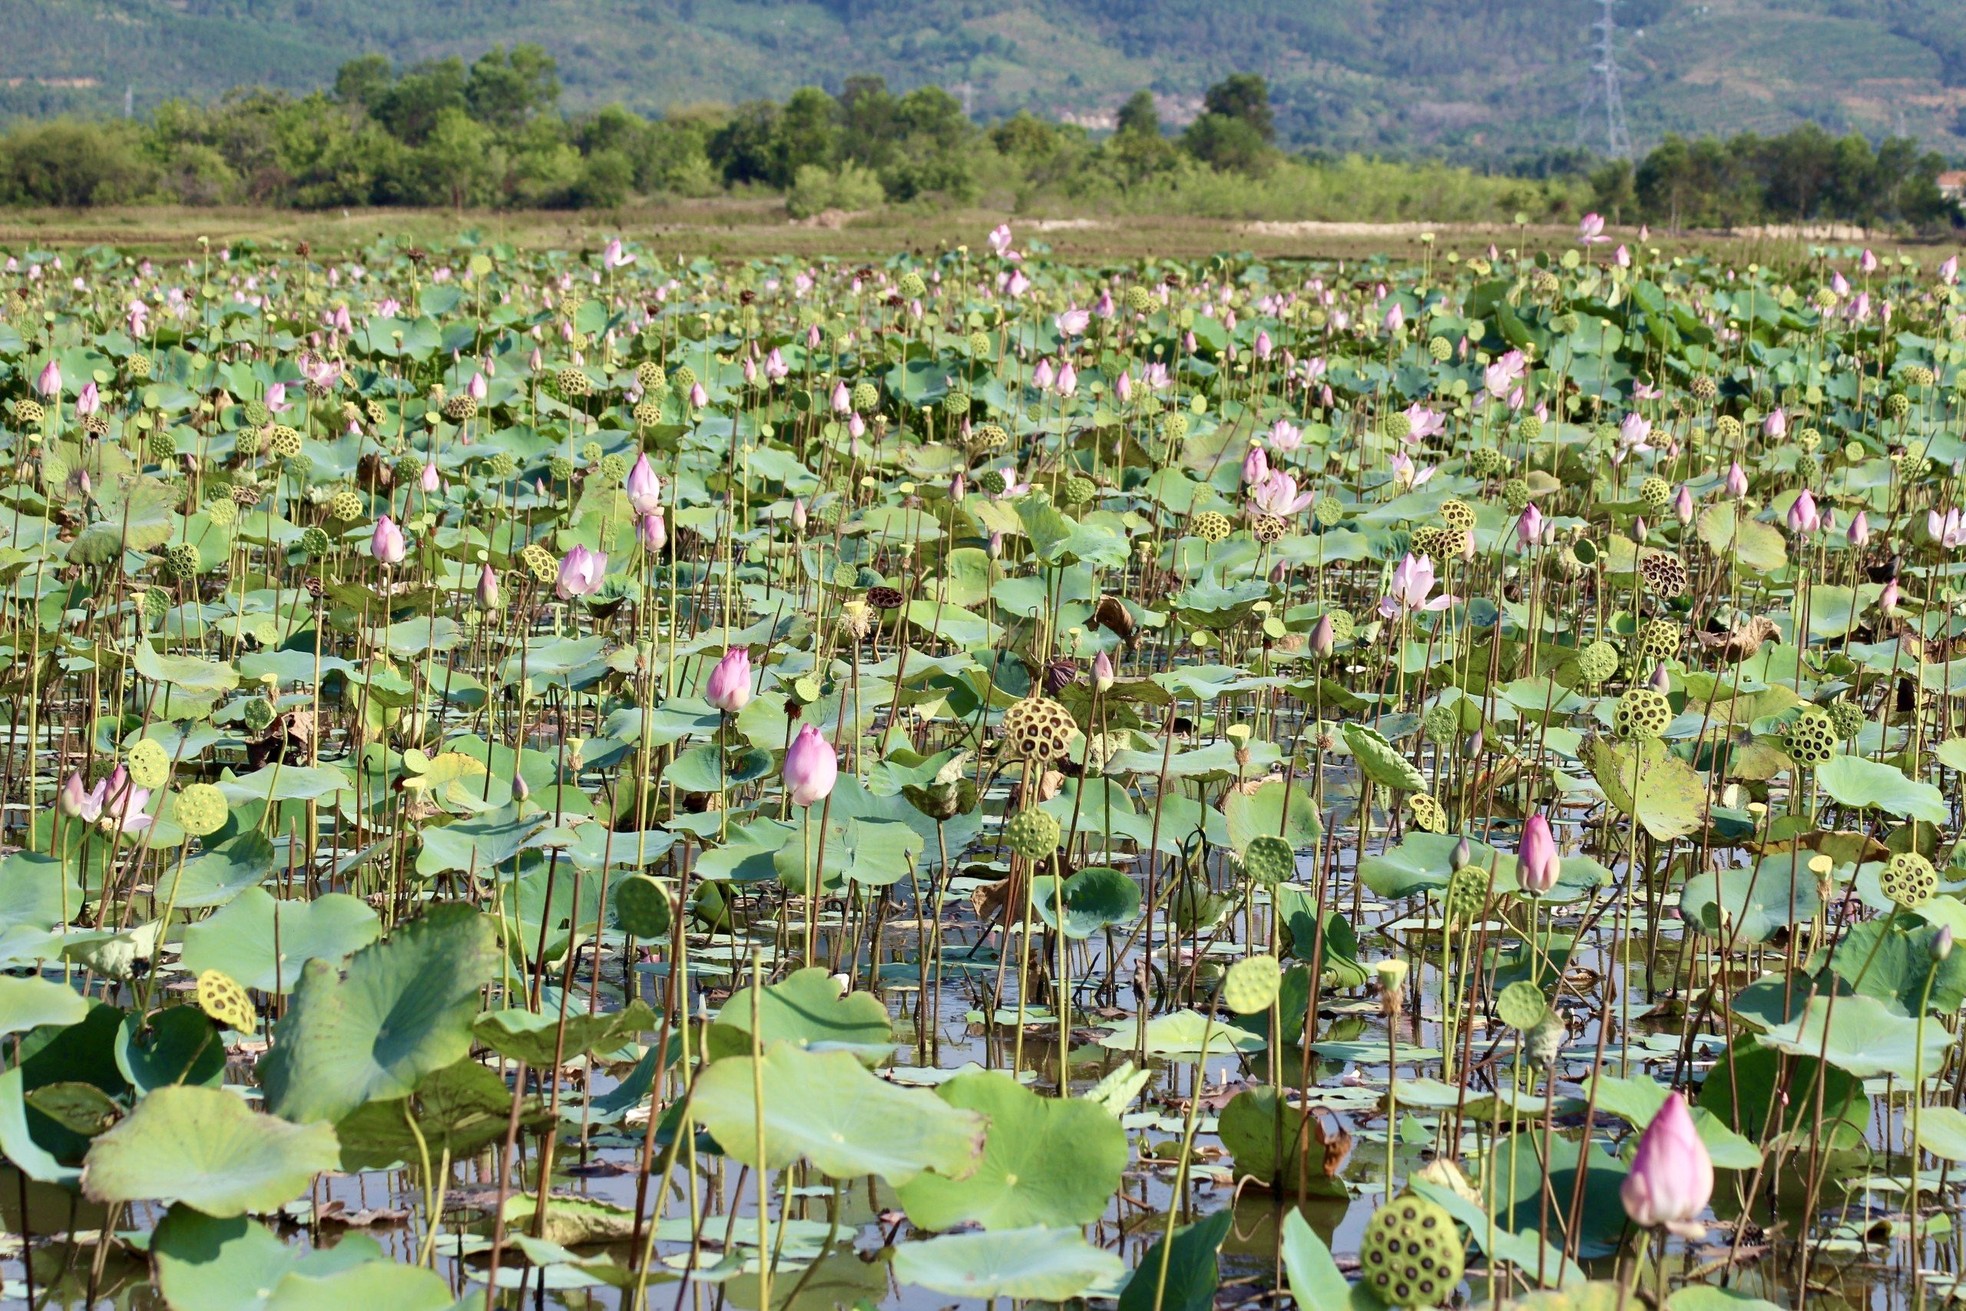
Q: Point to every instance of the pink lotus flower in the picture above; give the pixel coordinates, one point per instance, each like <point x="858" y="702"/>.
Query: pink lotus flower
<point x="1072" y="322"/>
<point x="776" y="368"/>
<point x="1395" y="319"/>
<point x="1859" y="534"/>
<point x="1423" y="423"/>
<point x="386" y="544"/>
<point x="1803" y="517"/>
<point x="1949" y="271"/>
<point x="1947" y="530"/>
<point x="1285" y="437"/>
<point x="1000" y="239"/>
<point x="49" y="383"/>
<point x="114" y="804"/>
<point x="87" y="401"/>
<point x="1867" y="262"/>
<point x="580" y="575"/>
<point x="1634" y="431"/>
<point x="1682" y="505"/>
<point x="651" y="531"/>
<point x="430" y="481"/>
<point x="1590" y="229"/>
<point x="1408" y="474"/>
<point x="1537" y="864"/>
<point x="729" y="686"/>
<point x="1277" y="494"/>
<point x="1102" y="672"/>
<point x="1324" y="637"/>
<point x="644" y="488"/>
<point x="811" y="767"/>
<point x="1068" y="379"/>
<point x="842" y="399"/>
<point x="477" y="387"/>
<point x="1413" y="585"/>
<point x="698" y="397"/>
<point x="1501" y="376"/>
<point x="488" y="588"/>
<point x="1622" y="256"/>
<point x="1671" y="1176"/>
<point x="1737" y="480"/>
<point x="1263" y="344"/>
<point x="1839" y="284"/>
<point x="1776" y="425"/>
<point x="1888" y="599"/>
<point x="1043" y="376"/>
<point x="614" y="257"/>
<point x="1123" y="386"/>
<point x="276" y="398"/>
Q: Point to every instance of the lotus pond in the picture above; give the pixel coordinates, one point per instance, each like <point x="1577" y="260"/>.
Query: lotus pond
<point x="575" y="779"/>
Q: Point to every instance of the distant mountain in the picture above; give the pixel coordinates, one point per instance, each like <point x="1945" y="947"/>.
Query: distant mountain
<point x="1475" y="78"/>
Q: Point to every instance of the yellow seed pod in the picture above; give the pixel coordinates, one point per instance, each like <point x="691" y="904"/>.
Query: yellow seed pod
<point x="225" y="1002"/>
<point x="201" y="810"/>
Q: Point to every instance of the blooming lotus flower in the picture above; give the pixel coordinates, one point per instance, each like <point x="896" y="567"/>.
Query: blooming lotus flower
<point x="1423" y="423"/>
<point x="1537" y="864"/>
<point x="1633" y="432"/>
<point x="49" y="383"/>
<point x="580" y="573"/>
<point x="1737" y="480"/>
<point x="1501" y="376"/>
<point x="1590" y="229"/>
<point x="276" y="398"/>
<point x="1011" y="486"/>
<point x="729" y="686"/>
<point x="1528" y="527"/>
<point x="1072" y="322"/>
<point x="1803" y="517"/>
<point x="811" y="767"/>
<point x="386" y="544"/>
<point x="1671" y="1176"/>
<point x="1285" y="437"/>
<point x="614" y="257"/>
<point x="1947" y="530"/>
<point x="644" y="488"/>
<point x="87" y="401"/>
<point x="776" y="369"/>
<point x="1408" y="474"/>
<point x="1277" y="495"/>
<point x="1000" y="239"/>
<point x="1255" y="466"/>
<point x="1413" y="585"/>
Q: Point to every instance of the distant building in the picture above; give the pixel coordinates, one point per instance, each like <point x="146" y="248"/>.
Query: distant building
<point x="1952" y="185"/>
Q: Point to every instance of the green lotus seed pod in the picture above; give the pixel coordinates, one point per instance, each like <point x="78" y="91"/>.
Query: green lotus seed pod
<point x="649" y="376"/>
<point x="1269" y="859"/>
<point x="1139" y="300"/>
<point x="559" y="469"/>
<point x="613" y="468"/>
<point x="1441" y="723"/>
<point x="1486" y="462"/>
<point x="345" y="505"/>
<point x="1812" y="738"/>
<point x="1897" y="405"/>
<point x="980" y="343"/>
<point x="314" y="541"/>
<point x="181" y="562"/>
<point x="1908" y="880"/>
<point x="1642" y="715"/>
<point x="149" y="764"/>
<point x="160" y="447"/>
<point x="501" y="467"/>
<point x="1466" y="896"/>
<point x="1328" y="511"/>
<point x="257" y="414"/>
<point x="1077" y="490"/>
<point x="1428" y="813"/>
<point x="1343" y="627"/>
<point x="1032" y="833"/>
<point x="956" y="404"/>
<point x="1175" y="426"/>
<point x="200" y="809"/>
<point x="1457" y="514"/>
<point x="1211" y="526"/>
<point x="1656" y="494"/>
<point x="911" y="286"/>
<point x="138" y="366"/>
<point x="156" y="604"/>
<point x="1411" y="1254"/>
<point x="1440" y="350"/>
<point x="866" y="398"/>
<point x="1847" y="717"/>
<point x="222" y="512"/>
<point x="283" y="442"/>
<point x="1396" y="426"/>
<point x="28" y="412"/>
<point x="1660" y="638"/>
<point x="573" y="382"/>
<point x="1529" y="427"/>
<point x="992" y="481"/>
<point x="683" y="378"/>
<point x="1597" y="662"/>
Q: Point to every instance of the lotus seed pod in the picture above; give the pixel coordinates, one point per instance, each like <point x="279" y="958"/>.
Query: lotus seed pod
<point x="1664" y="574"/>
<point x="224" y="1002"/>
<point x="28" y="412"/>
<point x="148" y="763"/>
<point x="1529" y="428"/>
<point x="649" y="376"/>
<point x="1457" y="514"/>
<point x="1427" y="813"/>
<point x="1897" y="405"/>
<point x="314" y="541"/>
<point x="223" y="512"/>
<point x="1522" y="1006"/>
<point x="181" y="562"/>
<point x="988" y="438"/>
<point x="1704" y="388"/>
<point x="1656" y="494"/>
<point x="1597" y="662"/>
<point x="258" y="714"/>
<point x="1808" y="469"/>
<point x="345" y="505"/>
<point x="1175" y="426"/>
<point x="1411" y="1254"/>
<point x="1032" y="834"/>
<point x="1396" y="426"/>
<point x="1140" y="300"/>
<point x="1211" y="526"/>
<point x="1466" y="897"/>
<point x="376" y="410"/>
<point x="1823" y="298"/>
<point x="1545" y="282"/>
<point x="1908" y="880"/>
<point x="283" y="442"/>
<point x="502" y="467"/>
<point x="1433" y="541"/>
<point x="1917" y="375"/>
<point x="1269" y="529"/>
<point x="539" y="562"/>
<point x="1642" y="715"/>
<point x="1809" y="439"/>
<point x="1544" y="1043"/>
<point x="461" y="407"/>
<point x="1328" y="511"/>
<point x="1727" y="430"/>
<point x="160" y="447"/>
<point x="1269" y="859"/>
<point x="866" y="397"/>
<point x="1660" y="639"/>
<point x="201" y="809"/>
<point x="911" y="286"/>
<point x="980" y="343"/>
<point x="1847" y="716"/>
<point x="683" y="378"/>
<point x="992" y="481"/>
<point x="1077" y="490"/>
<point x="1440" y="350"/>
<point x="138" y="366"/>
<point x="613" y="467"/>
<point x="1344" y="628"/>
<point x="573" y="382"/>
<point x="560" y="469"/>
<point x="257" y="414"/>
<point x="1441" y="723"/>
<point x="646" y="414"/>
<point x="1515" y="495"/>
<point x="1486" y="462"/>
<point x="156" y="604"/>
<point x="1037" y="729"/>
<point x="1812" y="738"/>
<point x="956" y="404"/>
<point x="248" y="441"/>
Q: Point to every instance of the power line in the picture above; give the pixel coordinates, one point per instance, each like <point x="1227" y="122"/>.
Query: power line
<point x="1602" y="93"/>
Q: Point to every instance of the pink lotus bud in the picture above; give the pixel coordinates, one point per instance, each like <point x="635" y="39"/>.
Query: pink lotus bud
<point x="87" y="401"/>
<point x="1324" y="637"/>
<point x="430" y="482"/>
<point x="1737" y="480"/>
<point x="1859" y="533"/>
<point x="387" y="544"/>
<point x="73" y="799"/>
<point x="477" y="387"/>
<point x="1123" y="387"/>
<point x="1529" y="527"/>
<point x="1255" y="466"/>
<point x="652" y="531"/>
<point x="1102" y="672"/>
<point x="698" y="398"/>
<point x="799" y="515"/>
<point x="644" y="488"/>
<point x="1537" y="863"/>
<point x="49" y="383"/>
<point x="1682" y="505"/>
<point x="842" y="399"/>
<point x="1887" y="600"/>
<point x="488" y="588"/>
<point x="729" y="686"/>
<point x="1671" y="1176"/>
<point x="581" y="571"/>
<point x="1803" y="516"/>
<point x="811" y="767"/>
<point x="1068" y="379"/>
<point x="1661" y="679"/>
<point x="1776" y="425"/>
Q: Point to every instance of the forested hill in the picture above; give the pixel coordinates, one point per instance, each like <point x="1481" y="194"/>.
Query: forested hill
<point x="1479" y="78"/>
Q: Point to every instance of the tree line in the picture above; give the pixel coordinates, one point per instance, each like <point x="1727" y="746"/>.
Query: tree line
<point x="492" y="133"/>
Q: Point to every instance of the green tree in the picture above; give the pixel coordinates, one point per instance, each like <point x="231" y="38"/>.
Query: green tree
<point x="412" y="106"/>
<point x="1245" y="97"/>
<point x="744" y="149"/>
<point x="1139" y="116"/>
<point x="455" y="163"/>
<point x="364" y="81"/>
<point x="507" y="88"/>
<point x="1227" y="144"/>
<point x="805" y="135"/>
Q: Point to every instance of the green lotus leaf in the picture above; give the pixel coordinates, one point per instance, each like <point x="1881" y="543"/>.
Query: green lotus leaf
<point x="206" y="1148"/>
